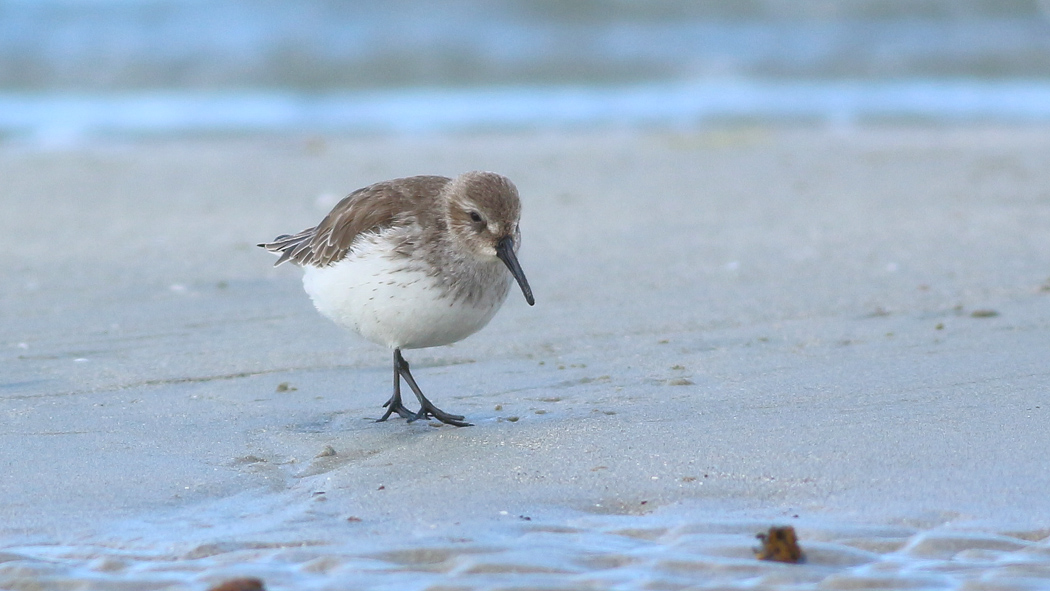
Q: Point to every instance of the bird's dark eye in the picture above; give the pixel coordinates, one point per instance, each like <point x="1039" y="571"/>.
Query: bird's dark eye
<point x="475" y="217"/>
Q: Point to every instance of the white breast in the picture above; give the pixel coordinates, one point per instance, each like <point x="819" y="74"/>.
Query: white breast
<point x="396" y="304"/>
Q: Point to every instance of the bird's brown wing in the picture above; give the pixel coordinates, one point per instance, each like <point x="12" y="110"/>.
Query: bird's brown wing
<point x="371" y="209"/>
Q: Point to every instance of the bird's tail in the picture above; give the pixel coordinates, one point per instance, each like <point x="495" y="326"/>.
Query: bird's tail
<point x="289" y="246"/>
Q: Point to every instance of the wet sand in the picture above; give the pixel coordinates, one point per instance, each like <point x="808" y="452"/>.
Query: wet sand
<point x="843" y="330"/>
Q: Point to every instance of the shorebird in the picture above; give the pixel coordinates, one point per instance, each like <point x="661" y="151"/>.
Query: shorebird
<point x="411" y="263"/>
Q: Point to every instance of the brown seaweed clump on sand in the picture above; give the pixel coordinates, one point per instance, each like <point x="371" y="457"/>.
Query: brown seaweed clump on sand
<point x="780" y="544"/>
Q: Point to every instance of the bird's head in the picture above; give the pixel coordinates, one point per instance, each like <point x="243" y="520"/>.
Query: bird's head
<point x="483" y="213"/>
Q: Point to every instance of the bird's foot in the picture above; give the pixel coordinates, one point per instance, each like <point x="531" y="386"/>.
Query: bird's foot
<point x="429" y="410"/>
<point x="394" y="405"/>
<point x="426" y="407"/>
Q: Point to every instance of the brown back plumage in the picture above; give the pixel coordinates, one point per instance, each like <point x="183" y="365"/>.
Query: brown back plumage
<point x="371" y="209"/>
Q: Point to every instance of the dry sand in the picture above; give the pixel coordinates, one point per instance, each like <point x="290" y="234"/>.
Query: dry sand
<point x="844" y="330"/>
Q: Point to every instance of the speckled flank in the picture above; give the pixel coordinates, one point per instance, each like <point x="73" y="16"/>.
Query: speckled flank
<point x="393" y="301"/>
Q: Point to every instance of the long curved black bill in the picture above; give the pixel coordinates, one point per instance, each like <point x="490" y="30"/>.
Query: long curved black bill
<point x="505" y="252"/>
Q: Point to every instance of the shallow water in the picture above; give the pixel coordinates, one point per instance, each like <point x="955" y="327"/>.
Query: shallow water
<point x="671" y="548"/>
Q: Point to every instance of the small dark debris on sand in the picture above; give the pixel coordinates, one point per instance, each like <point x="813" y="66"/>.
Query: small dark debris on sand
<point x="780" y="544"/>
<point x="243" y="584"/>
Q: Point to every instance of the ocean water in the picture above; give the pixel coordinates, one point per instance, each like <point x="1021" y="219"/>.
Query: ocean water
<point x="81" y="68"/>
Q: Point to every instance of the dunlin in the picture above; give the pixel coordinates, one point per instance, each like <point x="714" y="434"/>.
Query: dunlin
<point x="412" y="263"/>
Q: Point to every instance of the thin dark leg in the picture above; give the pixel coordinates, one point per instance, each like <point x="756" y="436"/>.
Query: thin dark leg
<point x="394" y="404"/>
<point x="427" y="408"/>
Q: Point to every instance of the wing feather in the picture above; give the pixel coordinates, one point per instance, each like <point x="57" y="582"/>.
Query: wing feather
<point x="368" y="210"/>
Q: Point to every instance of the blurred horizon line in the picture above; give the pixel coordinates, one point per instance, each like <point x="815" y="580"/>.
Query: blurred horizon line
<point x="60" y="118"/>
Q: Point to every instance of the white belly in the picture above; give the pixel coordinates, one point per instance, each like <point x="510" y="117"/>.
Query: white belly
<point x="399" y="307"/>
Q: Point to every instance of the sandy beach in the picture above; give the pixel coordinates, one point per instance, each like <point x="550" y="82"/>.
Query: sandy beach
<point x="845" y="330"/>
